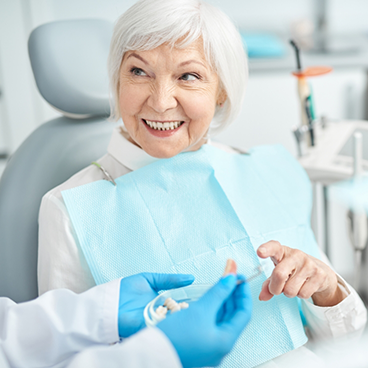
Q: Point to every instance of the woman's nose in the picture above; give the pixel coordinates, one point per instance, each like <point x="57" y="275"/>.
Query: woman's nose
<point x="162" y="97"/>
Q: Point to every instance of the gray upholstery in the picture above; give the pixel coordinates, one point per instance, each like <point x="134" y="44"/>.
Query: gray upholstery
<point x="49" y="156"/>
<point x="65" y="58"/>
<point x="57" y="149"/>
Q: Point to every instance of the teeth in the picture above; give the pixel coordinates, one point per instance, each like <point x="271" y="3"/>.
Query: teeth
<point x="163" y="126"/>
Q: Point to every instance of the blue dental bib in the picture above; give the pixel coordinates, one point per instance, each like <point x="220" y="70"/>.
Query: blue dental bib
<point x="190" y="213"/>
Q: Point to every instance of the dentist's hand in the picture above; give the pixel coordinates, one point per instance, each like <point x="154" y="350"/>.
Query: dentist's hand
<point x="137" y="291"/>
<point x="299" y="274"/>
<point x="205" y="332"/>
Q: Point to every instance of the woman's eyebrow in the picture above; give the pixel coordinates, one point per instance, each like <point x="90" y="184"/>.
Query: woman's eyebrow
<point x="133" y="54"/>
<point x="191" y="61"/>
<point x="138" y="57"/>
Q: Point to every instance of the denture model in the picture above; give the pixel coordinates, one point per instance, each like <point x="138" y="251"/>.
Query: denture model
<point x="170" y="305"/>
<point x="173" y="306"/>
<point x="161" y="312"/>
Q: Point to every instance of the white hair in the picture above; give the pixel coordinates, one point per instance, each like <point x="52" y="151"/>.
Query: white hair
<point x="150" y="23"/>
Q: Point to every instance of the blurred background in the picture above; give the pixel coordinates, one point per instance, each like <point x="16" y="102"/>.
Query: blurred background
<point x="330" y="32"/>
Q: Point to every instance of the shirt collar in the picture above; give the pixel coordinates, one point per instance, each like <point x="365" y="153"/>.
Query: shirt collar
<point x="127" y="153"/>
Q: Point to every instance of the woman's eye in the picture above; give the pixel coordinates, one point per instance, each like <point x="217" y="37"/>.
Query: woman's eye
<point x="138" y="72"/>
<point x="189" y="77"/>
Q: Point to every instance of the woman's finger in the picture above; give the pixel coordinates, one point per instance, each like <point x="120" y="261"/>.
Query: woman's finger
<point x="272" y="249"/>
<point x="308" y="280"/>
<point x="295" y="284"/>
<point x="265" y="294"/>
<point x="308" y="288"/>
<point x="287" y="269"/>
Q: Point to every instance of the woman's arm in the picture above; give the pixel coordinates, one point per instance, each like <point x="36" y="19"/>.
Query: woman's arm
<point x="61" y="263"/>
<point x="347" y="317"/>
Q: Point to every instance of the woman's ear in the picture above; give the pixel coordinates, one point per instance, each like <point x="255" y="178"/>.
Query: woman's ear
<point x="222" y="96"/>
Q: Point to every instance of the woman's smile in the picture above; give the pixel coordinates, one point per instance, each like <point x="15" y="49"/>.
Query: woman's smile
<point x="163" y="128"/>
<point x="163" y="125"/>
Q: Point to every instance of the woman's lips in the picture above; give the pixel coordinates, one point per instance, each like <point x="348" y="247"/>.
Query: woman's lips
<point x="154" y="127"/>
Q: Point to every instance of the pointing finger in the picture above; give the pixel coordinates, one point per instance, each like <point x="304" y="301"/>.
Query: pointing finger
<point x="272" y="249"/>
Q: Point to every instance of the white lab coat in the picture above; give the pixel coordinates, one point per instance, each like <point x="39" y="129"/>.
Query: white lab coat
<point x="149" y="348"/>
<point x="54" y="329"/>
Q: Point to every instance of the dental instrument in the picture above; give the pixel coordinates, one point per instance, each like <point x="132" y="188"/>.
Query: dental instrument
<point x="173" y="306"/>
<point x="306" y="101"/>
<point x="257" y="272"/>
<point x="231" y="268"/>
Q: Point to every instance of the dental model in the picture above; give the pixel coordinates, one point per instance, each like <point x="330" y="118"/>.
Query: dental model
<point x="170" y="305"/>
<point x="183" y="305"/>
<point x="161" y="312"/>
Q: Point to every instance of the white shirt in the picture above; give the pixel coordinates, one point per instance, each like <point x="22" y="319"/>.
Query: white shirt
<point x="51" y="330"/>
<point x="61" y="263"/>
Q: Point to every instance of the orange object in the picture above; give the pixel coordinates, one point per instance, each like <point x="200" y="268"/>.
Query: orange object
<point x="230" y="267"/>
<point x="312" y="71"/>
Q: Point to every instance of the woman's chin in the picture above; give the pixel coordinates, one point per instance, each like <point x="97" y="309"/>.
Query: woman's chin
<point x="162" y="151"/>
<point x="168" y="149"/>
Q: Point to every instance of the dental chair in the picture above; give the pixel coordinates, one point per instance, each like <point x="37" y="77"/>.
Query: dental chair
<point x="69" y="64"/>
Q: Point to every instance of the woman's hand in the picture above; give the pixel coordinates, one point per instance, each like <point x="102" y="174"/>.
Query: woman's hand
<point x="299" y="274"/>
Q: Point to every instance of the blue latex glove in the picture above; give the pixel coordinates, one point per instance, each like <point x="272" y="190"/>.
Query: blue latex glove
<point x="205" y="332"/>
<point x="137" y="291"/>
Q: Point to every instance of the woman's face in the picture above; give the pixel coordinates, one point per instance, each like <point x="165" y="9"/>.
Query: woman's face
<point x="167" y="98"/>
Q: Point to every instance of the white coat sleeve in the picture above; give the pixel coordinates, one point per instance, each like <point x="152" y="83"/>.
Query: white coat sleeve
<point x="149" y="348"/>
<point x="49" y="330"/>
<point x="346" y="319"/>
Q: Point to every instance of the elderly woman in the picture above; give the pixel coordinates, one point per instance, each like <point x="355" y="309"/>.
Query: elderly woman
<point x="178" y="73"/>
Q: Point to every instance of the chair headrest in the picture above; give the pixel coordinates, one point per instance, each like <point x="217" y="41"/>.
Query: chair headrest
<point x="69" y="62"/>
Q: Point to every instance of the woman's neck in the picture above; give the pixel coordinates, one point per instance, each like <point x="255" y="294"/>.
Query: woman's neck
<point x="126" y="135"/>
